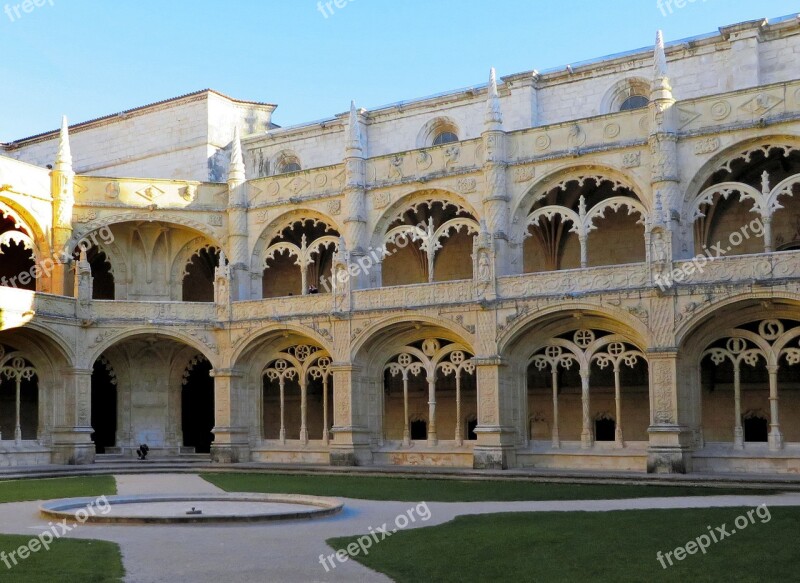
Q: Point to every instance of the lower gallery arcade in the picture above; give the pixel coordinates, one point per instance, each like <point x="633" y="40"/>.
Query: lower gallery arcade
<point x="573" y="390"/>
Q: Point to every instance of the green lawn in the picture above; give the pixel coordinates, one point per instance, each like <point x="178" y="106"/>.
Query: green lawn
<point x="614" y="547"/>
<point x="85" y="561"/>
<point x="48" y="489"/>
<point x="66" y="560"/>
<point x="433" y="490"/>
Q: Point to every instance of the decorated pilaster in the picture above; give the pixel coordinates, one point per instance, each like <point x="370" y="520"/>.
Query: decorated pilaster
<point x="62" y="189"/>
<point x="342" y="271"/>
<point x="483" y="265"/>
<point x="231" y="440"/>
<point x="351" y="445"/>
<point x="664" y="173"/>
<point x="222" y="289"/>
<point x="496" y="436"/>
<point x="237" y="222"/>
<point x="83" y="287"/>
<point x="355" y="193"/>
<point x="495" y="200"/>
<point x="670" y="441"/>
<point x="72" y="431"/>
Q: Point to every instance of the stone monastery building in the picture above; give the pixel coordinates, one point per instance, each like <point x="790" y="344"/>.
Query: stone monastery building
<point x="595" y="267"/>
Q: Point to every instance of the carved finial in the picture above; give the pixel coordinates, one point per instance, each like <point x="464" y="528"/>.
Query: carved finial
<point x="765" y="189"/>
<point x="303" y="242"/>
<point x="223" y="260"/>
<point x="64" y="155"/>
<point x="355" y="142"/>
<point x="660" y="58"/>
<point x="582" y="206"/>
<point x="236" y="171"/>
<point x="494" y="116"/>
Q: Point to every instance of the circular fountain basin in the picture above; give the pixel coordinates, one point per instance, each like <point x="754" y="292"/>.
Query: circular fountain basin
<point x="189" y="509"/>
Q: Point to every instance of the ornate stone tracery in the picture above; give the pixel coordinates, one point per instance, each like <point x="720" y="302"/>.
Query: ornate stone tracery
<point x="15" y="368"/>
<point x="584" y="348"/>
<point x="773" y="344"/>
<point x="431" y="356"/>
<point x="300" y="363"/>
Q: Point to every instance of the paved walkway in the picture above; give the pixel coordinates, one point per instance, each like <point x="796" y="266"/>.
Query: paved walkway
<point x="288" y="552"/>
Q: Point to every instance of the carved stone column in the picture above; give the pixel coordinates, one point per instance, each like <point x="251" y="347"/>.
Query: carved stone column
<point x="72" y="433"/>
<point x="496" y="435"/>
<point x="775" y="435"/>
<point x="351" y="436"/>
<point x="670" y="441"/>
<point x="231" y="443"/>
<point x="587" y="435"/>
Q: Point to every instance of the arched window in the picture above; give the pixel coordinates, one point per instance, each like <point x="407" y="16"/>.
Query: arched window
<point x="626" y="95"/>
<point x="445" y="137"/>
<point x="287" y="162"/>
<point x="634" y="102"/>
<point x="437" y="132"/>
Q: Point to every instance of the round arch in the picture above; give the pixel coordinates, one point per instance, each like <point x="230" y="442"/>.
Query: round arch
<point x="616" y="320"/>
<point x="110" y="341"/>
<point x="251" y="341"/>
<point x="414" y="197"/>
<point x="736" y="310"/>
<point x="741" y="149"/>
<point x="448" y="330"/>
<point x="521" y="208"/>
<point x="214" y="235"/>
<point x="25" y="219"/>
<point x="273" y="229"/>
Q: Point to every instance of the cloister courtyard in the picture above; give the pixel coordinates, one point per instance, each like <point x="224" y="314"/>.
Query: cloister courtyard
<point x="545" y="328"/>
<point x="412" y="528"/>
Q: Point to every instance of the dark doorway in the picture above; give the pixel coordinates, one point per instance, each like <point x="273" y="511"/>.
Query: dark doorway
<point x="604" y="429"/>
<point x="419" y="429"/>
<point x="197" y="407"/>
<point x="471" y="425"/>
<point x="756" y="429"/>
<point x="104" y="406"/>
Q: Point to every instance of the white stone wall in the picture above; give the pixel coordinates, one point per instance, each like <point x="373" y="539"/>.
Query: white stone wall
<point x="181" y="138"/>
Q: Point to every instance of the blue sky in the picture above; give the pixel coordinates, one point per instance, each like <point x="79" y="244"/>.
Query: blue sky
<point x="88" y="58"/>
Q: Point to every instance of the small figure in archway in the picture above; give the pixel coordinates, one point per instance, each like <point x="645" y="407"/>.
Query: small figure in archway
<point x="142" y="452"/>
